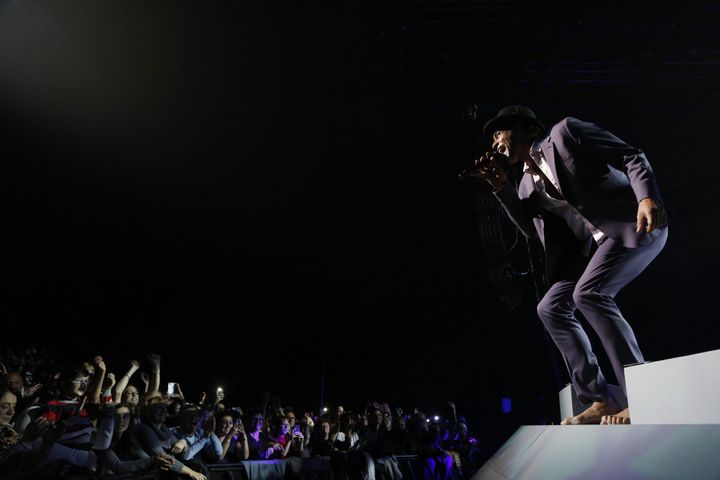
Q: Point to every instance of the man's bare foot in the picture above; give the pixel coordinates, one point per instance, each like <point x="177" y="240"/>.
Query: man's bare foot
<point x="594" y="413"/>
<point x="620" y="418"/>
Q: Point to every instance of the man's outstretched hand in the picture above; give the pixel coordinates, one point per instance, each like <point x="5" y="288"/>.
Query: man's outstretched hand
<point x="650" y="215"/>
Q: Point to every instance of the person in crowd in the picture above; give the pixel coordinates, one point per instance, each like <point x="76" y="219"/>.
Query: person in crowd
<point x="87" y="422"/>
<point x="230" y="431"/>
<point x="399" y="441"/>
<point x="437" y="462"/>
<point x="157" y="439"/>
<point x="174" y="407"/>
<point x="322" y="439"/>
<point x="123" y="391"/>
<point x="15" y="382"/>
<point x="290" y="415"/>
<point x="257" y="439"/>
<point x="346" y="438"/>
<point x="125" y="454"/>
<point x="284" y="442"/>
<point x="372" y="437"/>
<point x="195" y="436"/>
<point x="307" y="426"/>
<point x="8" y="435"/>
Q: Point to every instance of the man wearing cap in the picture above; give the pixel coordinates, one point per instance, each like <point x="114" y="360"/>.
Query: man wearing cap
<point x="593" y="202"/>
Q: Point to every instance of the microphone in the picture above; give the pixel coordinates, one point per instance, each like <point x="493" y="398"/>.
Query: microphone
<point x="502" y="161"/>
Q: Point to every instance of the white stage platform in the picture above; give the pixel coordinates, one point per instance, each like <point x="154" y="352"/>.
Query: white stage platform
<point x="675" y="435"/>
<point x="607" y="452"/>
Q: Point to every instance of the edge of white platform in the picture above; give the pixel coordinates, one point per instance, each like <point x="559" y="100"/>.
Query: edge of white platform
<point x="601" y="452"/>
<point x="678" y="390"/>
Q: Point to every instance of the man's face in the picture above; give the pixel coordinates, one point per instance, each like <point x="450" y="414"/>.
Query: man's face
<point x="375" y="418"/>
<point x="515" y="144"/>
<point x="257" y="422"/>
<point x="14" y="382"/>
<point x="157" y="413"/>
<point x="190" y="420"/>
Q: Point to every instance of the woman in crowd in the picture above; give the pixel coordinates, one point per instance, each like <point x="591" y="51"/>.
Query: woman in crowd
<point x="125" y="454"/>
<point x="346" y="437"/>
<point x="322" y="438"/>
<point x="231" y="434"/>
<point x="8" y="435"/>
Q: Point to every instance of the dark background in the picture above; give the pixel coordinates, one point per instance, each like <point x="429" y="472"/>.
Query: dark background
<point x="255" y="190"/>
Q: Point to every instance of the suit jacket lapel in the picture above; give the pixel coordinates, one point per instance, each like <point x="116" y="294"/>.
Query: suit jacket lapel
<point x="548" y="149"/>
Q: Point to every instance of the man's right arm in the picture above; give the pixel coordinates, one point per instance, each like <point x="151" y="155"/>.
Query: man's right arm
<point x="516" y="209"/>
<point x="488" y="169"/>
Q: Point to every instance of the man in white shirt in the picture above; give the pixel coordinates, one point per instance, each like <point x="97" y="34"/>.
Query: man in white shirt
<point x="593" y="202"/>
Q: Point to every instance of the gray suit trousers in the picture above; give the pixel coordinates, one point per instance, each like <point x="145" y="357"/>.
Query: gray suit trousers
<point x="590" y="286"/>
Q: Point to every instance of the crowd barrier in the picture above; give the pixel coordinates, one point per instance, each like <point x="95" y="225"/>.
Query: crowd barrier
<point x="307" y="468"/>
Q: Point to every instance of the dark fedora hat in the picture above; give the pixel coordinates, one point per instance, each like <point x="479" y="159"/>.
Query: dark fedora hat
<point x="510" y="116"/>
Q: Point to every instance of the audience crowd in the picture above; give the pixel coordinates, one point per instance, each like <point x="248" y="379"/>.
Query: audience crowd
<point x="85" y="421"/>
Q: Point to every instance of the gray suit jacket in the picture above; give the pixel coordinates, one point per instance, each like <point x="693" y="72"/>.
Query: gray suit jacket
<point x="600" y="175"/>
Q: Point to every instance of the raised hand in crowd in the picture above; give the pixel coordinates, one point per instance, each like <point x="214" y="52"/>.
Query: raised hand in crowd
<point x="454" y="411"/>
<point x="309" y="419"/>
<point x="239" y="429"/>
<point x="32" y="390"/>
<point x="122" y="384"/>
<point x="99" y="363"/>
<point x="219" y="397"/>
<point x="110" y="381"/>
<point x="154" y="360"/>
<point x="96" y="384"/>
<point x="145" y="380"/>
<point x="178" y="393"/>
